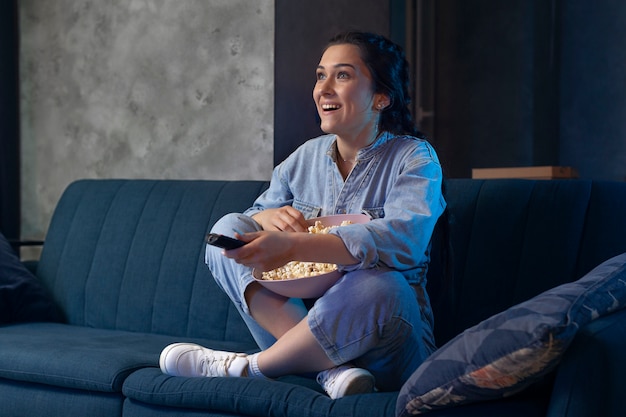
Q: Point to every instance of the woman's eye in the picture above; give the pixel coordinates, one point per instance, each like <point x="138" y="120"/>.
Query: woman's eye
<point x="343" y="75"/>
<point x="320" y="76"/>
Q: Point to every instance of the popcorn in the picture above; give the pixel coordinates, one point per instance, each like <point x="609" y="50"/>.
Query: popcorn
<point x="298" y="269"/>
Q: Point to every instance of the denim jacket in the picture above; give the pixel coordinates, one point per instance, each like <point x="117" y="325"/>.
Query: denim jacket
<point x="396" y="181"/>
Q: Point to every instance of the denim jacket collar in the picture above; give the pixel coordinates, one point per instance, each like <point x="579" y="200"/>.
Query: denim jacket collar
<point x="365" y="153"/>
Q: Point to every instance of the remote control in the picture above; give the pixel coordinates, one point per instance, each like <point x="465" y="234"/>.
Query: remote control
<point x="224" y="242"/>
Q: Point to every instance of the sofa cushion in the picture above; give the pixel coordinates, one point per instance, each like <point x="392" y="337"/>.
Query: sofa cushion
<point x="25" y="399"/>
<point x="81" y="357"/>
<point x="250" y="396"/>
<point x="129" y="255"/>
<point x="513" y="349"/>
<point x="22" y="297"/>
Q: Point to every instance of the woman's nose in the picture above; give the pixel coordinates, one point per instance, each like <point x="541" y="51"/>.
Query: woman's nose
<point x="325" y="87"/>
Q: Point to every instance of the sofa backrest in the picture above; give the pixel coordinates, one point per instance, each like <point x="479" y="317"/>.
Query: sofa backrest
<point x="513" y="239"/>
<point x="129" y="255"/>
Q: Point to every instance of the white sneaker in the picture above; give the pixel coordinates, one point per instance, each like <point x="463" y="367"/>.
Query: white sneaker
<point x="188" y="359"/>
<point x="345" y="380"/>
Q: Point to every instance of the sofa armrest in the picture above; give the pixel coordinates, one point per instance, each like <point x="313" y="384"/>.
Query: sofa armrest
<point x="31" y="265"/>
<point x="17" y="244"/>
<point x="589" y="379"/>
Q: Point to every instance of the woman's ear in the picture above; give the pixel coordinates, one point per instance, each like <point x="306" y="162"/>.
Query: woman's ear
<point x="381" y="101"/>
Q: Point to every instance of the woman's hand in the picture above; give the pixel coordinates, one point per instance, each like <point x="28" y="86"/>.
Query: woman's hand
<point x="267" y="250"/>
<point x="284" y="219"/>
<point x="264" y="250"/>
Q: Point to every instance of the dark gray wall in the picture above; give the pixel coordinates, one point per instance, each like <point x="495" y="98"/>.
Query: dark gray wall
<point x="522" y="83"/>
<point x="486" y="91"/>
<point x="593" y="88"/>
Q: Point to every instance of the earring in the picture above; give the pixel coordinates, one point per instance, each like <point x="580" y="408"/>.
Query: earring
<point x="380" y="106"/>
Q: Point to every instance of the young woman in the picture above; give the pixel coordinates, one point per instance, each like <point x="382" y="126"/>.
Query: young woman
<point x="373" y="328"/>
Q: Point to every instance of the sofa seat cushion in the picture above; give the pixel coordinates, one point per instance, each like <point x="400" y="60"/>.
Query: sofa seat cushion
<point x="251" y="397"/>
<point x="81" y="357"/>
<point x="513" y="349"/>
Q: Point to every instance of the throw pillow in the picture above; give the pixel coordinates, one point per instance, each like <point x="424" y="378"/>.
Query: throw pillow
<point x="513" y="349"/>
<point x="22" y="297"/>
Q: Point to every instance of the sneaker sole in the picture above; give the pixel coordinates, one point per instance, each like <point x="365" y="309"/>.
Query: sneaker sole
<point x="363" y="383"/>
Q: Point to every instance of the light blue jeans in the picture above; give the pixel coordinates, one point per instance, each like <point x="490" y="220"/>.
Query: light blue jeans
<point x="371" y="318"/>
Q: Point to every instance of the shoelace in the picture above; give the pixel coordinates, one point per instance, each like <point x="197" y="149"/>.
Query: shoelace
<point x="327" y="379"/>
<point x="217" y="366"/>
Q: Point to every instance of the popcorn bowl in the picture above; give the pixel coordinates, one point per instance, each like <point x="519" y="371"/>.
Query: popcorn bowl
<point x="314" y="286"/>
<point x="307" y="287"/>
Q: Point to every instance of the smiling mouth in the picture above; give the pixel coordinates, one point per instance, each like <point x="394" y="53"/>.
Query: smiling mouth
<point x="330" y="107"/>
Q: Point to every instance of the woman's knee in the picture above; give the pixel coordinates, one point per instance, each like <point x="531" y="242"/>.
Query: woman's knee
<point x="389" y="290"/>
<point x="228" y="225"/>
<point x="230" y="276"/>
<point x="368" y="302"/>
<point x="235" y="223"/>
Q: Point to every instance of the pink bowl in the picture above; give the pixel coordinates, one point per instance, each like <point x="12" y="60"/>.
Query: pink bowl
<point x="308" y="287"/>
<point x="316" y="286"/>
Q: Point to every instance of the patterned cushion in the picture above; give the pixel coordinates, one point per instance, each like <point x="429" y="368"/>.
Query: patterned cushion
<point x="513" y="349"/>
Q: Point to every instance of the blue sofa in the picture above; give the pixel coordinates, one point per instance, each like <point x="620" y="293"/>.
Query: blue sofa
<point x="123" y="261"/>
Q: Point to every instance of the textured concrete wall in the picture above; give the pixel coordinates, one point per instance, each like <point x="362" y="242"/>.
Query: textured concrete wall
<point x="142" y="89"/>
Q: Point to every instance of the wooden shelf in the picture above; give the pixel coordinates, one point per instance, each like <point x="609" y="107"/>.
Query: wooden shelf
<point x="537" y="173"/>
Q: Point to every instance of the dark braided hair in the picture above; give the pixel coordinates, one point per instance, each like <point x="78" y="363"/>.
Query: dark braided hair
<point x="390" y="72"/>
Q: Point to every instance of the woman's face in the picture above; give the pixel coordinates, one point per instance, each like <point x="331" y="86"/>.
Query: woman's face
<point x="344" y="95"/>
